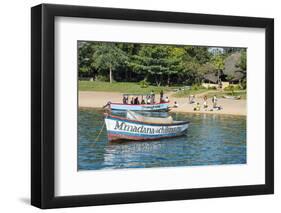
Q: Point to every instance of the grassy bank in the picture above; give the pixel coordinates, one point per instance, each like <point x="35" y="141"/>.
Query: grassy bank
<point x="133" y="87"/>
<point x="211" y="93"/>
<point x="122" y="87"/>
<point x="241" y="93"/>
<point x="186" y="93"/>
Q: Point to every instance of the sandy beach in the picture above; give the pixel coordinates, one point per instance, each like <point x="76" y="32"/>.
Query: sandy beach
<point x="90" y="99"/>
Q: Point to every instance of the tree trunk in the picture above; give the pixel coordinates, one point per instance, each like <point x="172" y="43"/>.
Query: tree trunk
<point x="158" y="83"/>
<point x="110" y="75"/>
<point x="146" y="77"/>
<point x="168" y="80"/>
<point x="126" y="75"/>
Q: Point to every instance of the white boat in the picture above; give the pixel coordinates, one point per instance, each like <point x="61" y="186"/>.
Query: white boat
<point x="232" y="97"/>
<point x="140" y="107"/>
<point x="142" y="128"/>
<point x="145" y="102"/>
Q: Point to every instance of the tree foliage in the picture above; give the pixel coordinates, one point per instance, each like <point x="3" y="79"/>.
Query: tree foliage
<point x="107" y="56"/>
<point x="153" y="63"/>
<point x="243" y="60"/>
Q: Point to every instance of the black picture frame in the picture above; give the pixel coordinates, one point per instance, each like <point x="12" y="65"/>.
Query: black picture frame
<point x="43" y="102"/>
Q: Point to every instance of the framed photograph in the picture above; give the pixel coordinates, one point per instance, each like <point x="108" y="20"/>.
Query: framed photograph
<point x="136" y="106"/>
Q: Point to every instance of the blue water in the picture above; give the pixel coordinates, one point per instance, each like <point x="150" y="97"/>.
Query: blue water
<point x="210" y="140"/>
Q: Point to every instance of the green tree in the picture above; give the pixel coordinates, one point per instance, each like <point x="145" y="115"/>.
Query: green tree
<point x="230" y="50"/>
<point x="84" y="60"/>
<point x="243" y="60"/>
<point x="243" y="66"/>
<point x="156" y="64"/>
<point x="199" y="54"/>
<point x="175" y="62"/>
<point x="153" y="62"/>
<point x="108" y="56"/>
<point x="206" y="68"/>
<point x="194" y="58"/>
<point x="218" y="63"/>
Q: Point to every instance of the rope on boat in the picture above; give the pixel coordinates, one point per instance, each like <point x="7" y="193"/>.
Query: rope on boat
<point x="100" y="132"/>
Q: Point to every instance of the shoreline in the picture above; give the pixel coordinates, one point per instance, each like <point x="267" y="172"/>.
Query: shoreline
<point x="180" y="112"/>
<point x="91" y="99"/>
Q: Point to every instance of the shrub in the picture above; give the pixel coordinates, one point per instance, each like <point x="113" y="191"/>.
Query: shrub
<point x="229" y="88"/>
<point x="233" y="87"/>
<point x="243" y="84"/>
<point x="197" y="87"/>
<point x="102" y="78"/>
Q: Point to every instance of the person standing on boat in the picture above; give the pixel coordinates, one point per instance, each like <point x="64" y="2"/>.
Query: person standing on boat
<point x="152" y="95"/>
<point x="136" y="101"/>
<point x="148" y="100"/>
<point x="125" y="100"/>
<point x="161" y="96"/>
<point x="142" y="100"/>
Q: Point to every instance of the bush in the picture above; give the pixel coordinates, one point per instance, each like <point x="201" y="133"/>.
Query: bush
<point x="197" y="87"/>
<point x="143" y="84"/>
<point x="232" y="87"/>
<point x="243" y="84"/>
<point x="229" y="88"/>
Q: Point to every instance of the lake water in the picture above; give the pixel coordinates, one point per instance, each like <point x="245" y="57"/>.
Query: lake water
<point x="210" y="140"/>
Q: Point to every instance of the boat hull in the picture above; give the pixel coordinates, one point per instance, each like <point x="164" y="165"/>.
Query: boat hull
<point x="140" y="107"/>
<point x="119" y="129"/>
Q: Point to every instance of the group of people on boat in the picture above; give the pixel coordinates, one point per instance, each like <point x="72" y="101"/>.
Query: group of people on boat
<point x="148" y="99"/>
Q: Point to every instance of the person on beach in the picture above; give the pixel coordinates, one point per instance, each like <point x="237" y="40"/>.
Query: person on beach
<point x="214" y="101"/>
<point x="205" y="105"/>
<point x="191" y="99"/>
<point x="176" y="105"/>
<point x="167" y="99"/>
<point x="197" y="107"/>
<point x="132" y="100"/>
<point x="215" y="104"/>
<point x="142" y="101"/>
